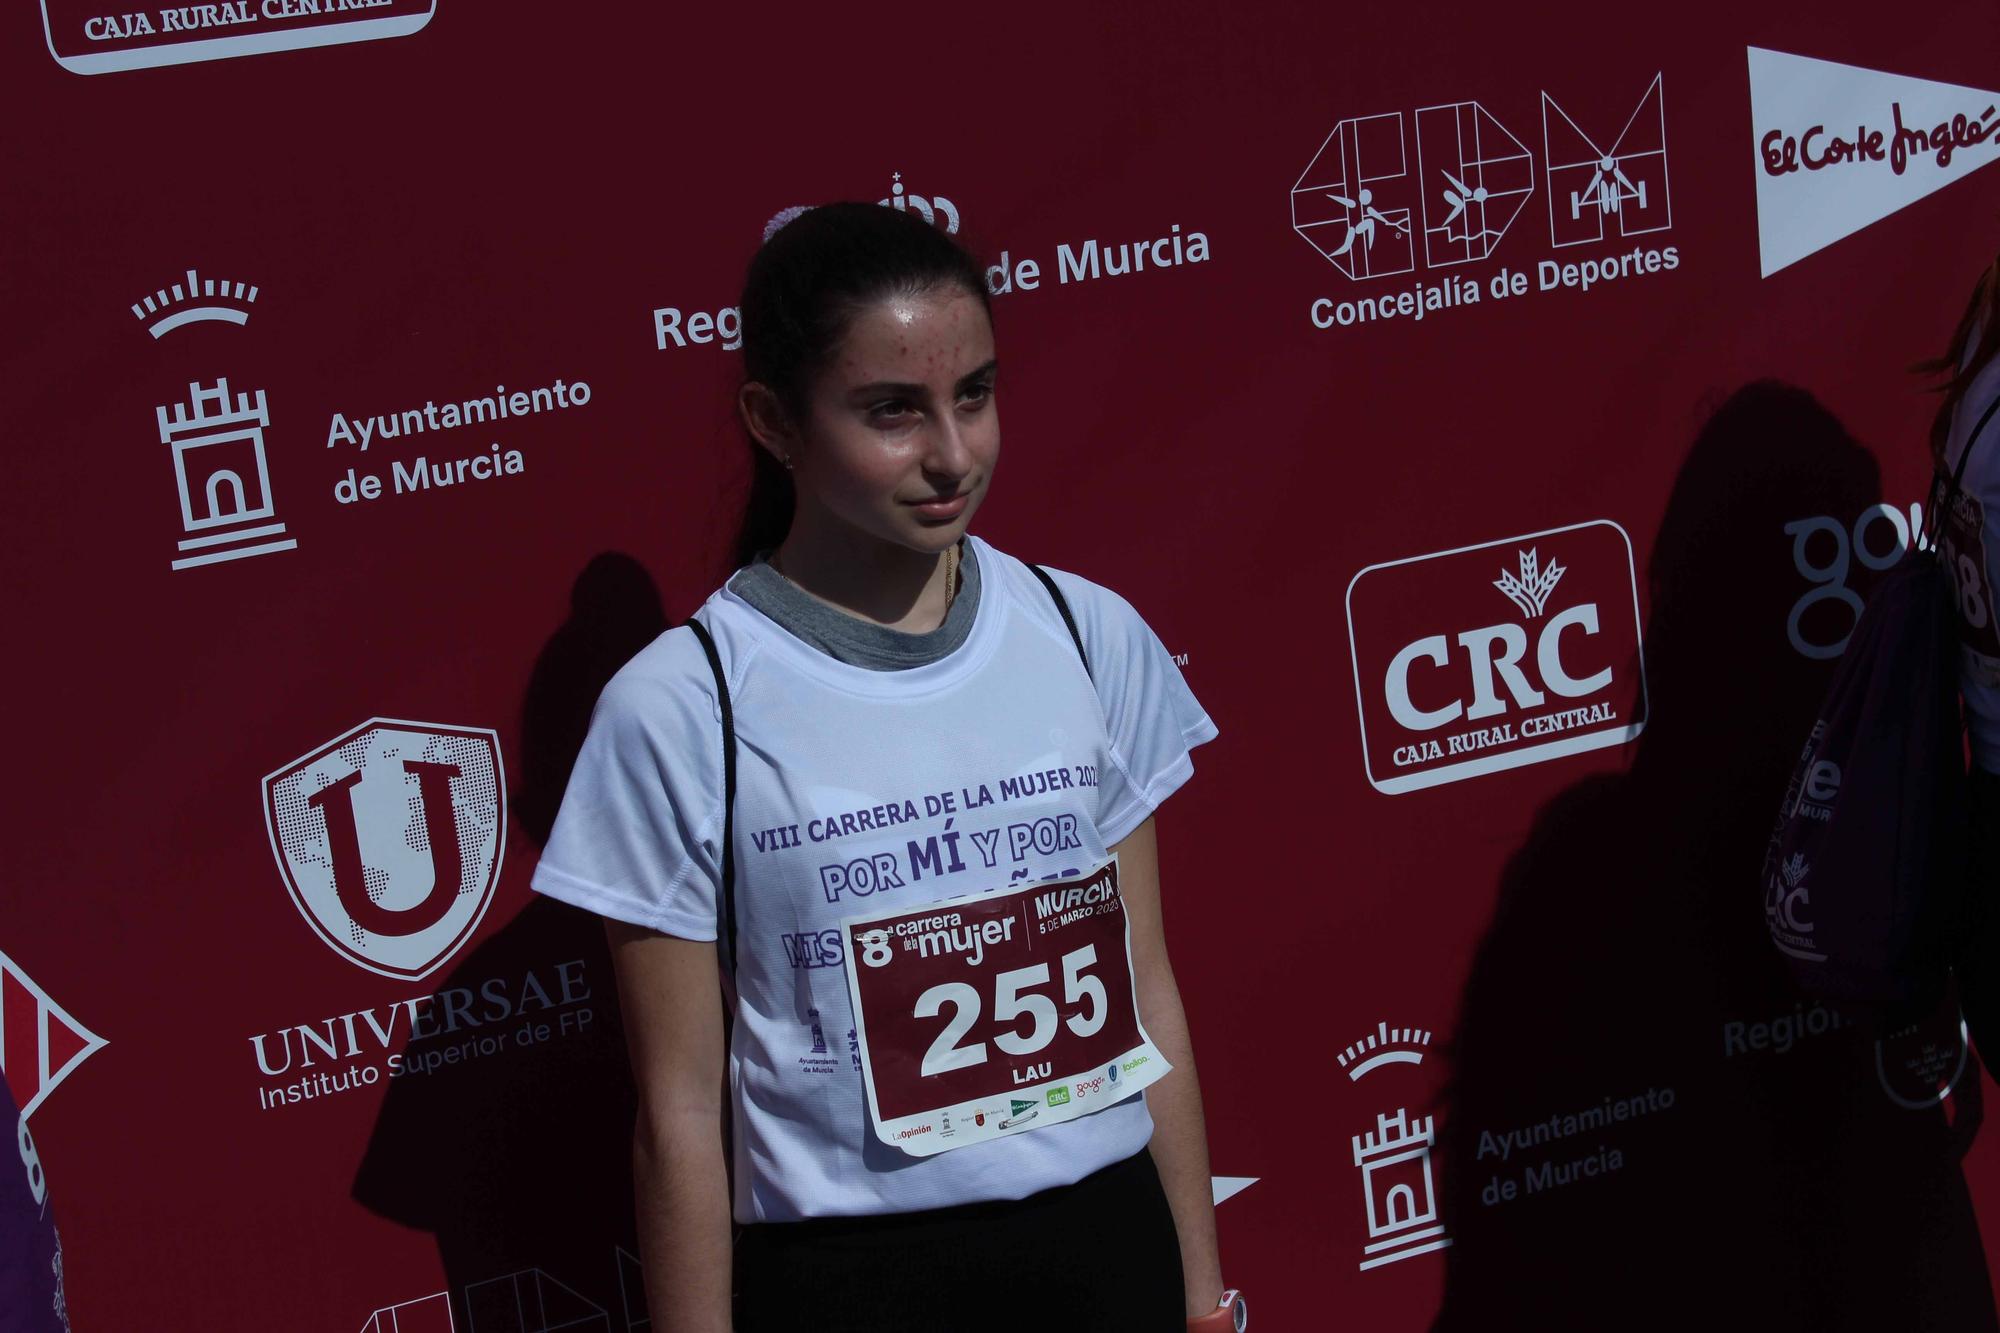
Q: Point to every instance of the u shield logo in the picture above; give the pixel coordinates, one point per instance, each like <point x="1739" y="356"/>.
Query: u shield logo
<point x="390" y="839"/>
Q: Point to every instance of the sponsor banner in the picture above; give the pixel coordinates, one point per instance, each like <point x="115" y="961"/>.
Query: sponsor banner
<point x="390" y="839"/>
<point x="1420" y="196"/>
<point x="1839" y="147"/>
<point x="1040" y="1019"/>
<point x="1458" y="672"/>
<point x="501" y="1016"/>
<point x="86" y="39"/>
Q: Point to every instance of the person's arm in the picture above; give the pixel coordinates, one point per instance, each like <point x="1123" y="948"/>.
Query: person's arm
<point x="672" y="1004"/>
<point x="1180" y="1135"/>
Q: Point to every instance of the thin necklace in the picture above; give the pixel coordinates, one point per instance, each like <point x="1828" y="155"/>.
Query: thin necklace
<point x="950" y="574"/>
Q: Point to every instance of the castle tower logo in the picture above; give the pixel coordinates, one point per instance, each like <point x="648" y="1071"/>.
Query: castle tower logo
<point x="86" y="39"/>
<point x="390" y="840"/>
<point x="40" y="1044"/>
<point x="1838" y="147"/>
<point x="1400" y="1189"/>
<point x="221" y="301"/>
<point x="223" y="476"/>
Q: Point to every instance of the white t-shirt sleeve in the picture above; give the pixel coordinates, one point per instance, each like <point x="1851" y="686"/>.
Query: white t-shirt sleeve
<point x="639" y="833"/>
<point x="1152" y="717"/>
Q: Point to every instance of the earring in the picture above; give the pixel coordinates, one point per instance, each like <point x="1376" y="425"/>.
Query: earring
<point x="787" y="461"/>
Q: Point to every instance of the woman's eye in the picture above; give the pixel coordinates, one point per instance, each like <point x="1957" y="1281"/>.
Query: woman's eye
<point x="977" y="393"/>
<point x="888" y="409"/>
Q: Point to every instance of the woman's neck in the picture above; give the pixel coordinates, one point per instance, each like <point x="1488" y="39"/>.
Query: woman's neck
<point x="875" y="580"/>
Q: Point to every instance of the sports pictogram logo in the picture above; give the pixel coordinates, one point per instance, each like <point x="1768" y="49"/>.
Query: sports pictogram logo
<point x="390" y="840"/>
<point x="1446" y="692"/>
<point x="40" y="1044"/>
<point x="1621" y="187"/>
<point x="1466" y="178"/>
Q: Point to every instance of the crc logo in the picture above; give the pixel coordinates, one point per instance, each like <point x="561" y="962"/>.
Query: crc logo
<point x="1449" y="690"/>
<point x="1368" y="208"/>
<point x="390" y="839"/>
<point x="1786" y="898"/>
<point x="85" y="39"/>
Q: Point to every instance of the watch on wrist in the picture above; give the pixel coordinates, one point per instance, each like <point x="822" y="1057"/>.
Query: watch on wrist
<point x="1231" y="1315"/>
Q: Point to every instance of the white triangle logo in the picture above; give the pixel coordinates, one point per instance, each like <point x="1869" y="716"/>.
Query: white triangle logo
<point x="1838" y="147"/>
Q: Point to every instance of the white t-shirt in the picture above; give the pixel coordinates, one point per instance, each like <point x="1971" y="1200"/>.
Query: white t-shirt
<point x="828" y="755"/>
<point x="1973" y="547"/>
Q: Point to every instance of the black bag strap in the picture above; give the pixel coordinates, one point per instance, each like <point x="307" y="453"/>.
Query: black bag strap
<point x="1062" y="605"/>
<point x="728" y="788"/>
<point x="1941" y="514"/>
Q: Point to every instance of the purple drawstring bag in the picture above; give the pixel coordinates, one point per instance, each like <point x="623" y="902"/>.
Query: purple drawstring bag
<point x="1864" y="875"/>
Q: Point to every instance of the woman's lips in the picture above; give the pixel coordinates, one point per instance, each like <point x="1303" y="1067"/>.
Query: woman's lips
<point x="941" y="509"/>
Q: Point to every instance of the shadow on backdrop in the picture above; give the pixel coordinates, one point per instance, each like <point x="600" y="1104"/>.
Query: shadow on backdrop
<point x="1766" y="1174"/>
<point x="518" y="1158"/>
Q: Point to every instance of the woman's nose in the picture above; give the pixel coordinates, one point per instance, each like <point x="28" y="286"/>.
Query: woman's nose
<point x="948" y="455"/>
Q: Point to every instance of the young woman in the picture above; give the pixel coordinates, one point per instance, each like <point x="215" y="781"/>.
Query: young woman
<point x="922" y="1108"/>
<point x="1971" y="367"/>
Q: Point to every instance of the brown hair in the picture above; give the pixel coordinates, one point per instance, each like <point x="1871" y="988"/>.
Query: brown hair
<point x="803" y="289"/>
<point x="1955" y="369"/>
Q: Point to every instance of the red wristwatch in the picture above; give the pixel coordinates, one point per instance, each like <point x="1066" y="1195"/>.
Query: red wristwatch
<point x="1231" y="1315"/>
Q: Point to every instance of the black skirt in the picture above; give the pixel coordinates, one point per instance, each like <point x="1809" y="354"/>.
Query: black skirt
<point x="1101" y="1254"/>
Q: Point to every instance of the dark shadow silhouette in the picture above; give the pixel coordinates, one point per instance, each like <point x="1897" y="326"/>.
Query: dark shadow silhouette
<point x="1748" y="1187"/>
<point x="520" y="1159"/>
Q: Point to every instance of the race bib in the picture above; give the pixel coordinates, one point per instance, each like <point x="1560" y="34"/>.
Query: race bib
<point x="998" y="1013"/>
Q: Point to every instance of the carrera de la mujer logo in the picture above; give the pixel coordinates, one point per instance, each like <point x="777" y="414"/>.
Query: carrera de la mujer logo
<point x="1493" y="656"/>
<point x="390" y="839"/>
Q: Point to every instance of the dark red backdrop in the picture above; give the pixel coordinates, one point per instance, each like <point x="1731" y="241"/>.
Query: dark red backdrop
<point x="517" y="193"/>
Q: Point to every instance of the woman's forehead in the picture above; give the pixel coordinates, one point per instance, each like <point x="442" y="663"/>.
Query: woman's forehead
<point x="935" y="335"/>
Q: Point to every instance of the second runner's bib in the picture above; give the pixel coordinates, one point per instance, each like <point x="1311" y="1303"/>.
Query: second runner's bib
<point x="998" y="1013"/>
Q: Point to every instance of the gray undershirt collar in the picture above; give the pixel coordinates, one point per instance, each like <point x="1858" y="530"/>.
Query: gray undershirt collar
<point x="849" y="638"/>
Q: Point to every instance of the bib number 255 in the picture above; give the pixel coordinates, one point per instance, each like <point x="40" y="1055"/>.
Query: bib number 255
<point x="1014" y="996"/>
